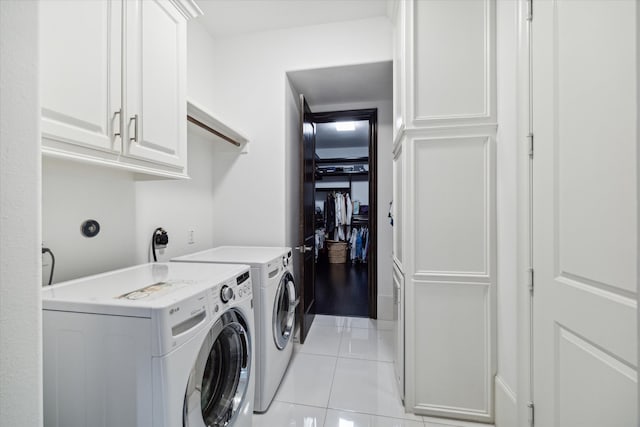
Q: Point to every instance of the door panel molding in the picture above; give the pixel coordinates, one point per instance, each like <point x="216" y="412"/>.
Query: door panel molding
<point x="454" y="376"/>
<point x="464" y="72"/>
<point x="455" y="156"/>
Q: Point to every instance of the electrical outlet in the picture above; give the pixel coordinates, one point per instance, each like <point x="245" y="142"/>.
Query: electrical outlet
<point x="191" y="239"/>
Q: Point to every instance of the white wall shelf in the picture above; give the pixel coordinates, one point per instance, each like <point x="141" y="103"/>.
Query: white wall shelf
<point x="204" y="119"/>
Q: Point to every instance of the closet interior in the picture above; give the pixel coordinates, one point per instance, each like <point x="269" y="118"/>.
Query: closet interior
<point x="342" y="216"/>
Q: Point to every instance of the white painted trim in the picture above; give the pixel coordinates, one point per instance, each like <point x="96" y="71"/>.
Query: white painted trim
<point x="149" y="172"/>
<point x="524" y="361"/>
<point x="506" y="404"/>
<point x="638" y="178"/>
<point x="188" y="8"/>
<point x="392" y="9"/>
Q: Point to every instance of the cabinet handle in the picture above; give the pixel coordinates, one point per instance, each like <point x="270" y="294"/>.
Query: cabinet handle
<point x="134" y="119"/>
<point x="117" y="115"/>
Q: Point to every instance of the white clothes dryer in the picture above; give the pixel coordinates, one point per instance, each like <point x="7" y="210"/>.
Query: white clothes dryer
<point x="155" y="345"/>
<point x="275" y="292"/>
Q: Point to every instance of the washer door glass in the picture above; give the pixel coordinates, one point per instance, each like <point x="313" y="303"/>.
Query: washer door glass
<point x="284" y="311"/>
<point x="219" y="379"/>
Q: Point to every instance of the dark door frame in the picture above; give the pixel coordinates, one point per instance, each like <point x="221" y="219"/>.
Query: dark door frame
<point x="370" y="114"/>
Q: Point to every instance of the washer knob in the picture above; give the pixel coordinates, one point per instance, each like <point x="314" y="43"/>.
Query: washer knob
<point x="226" y="293"/>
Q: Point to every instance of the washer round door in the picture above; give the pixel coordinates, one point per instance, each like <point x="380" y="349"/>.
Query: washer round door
<point x="284" y="311"/>
<point x="219" y="379"/>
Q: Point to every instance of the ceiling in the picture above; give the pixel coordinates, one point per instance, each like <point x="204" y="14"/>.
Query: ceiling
<point x="346" y="84"/>
<point x="224" y="18"/>
<point x="327" y="136"/>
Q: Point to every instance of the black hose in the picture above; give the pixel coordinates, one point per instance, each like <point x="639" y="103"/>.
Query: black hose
<point x="53" y="264"/>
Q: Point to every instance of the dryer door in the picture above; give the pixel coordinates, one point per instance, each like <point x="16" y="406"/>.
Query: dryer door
<point x="219" y="379"/>
<point x="284" y="310"/>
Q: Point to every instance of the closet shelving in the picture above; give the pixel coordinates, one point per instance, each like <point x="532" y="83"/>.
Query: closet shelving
<point x="357" y="167"/>
<point x="341" y="169"/>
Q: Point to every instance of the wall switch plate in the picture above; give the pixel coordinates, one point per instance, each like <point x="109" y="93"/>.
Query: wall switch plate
<point x="191" y="236"/>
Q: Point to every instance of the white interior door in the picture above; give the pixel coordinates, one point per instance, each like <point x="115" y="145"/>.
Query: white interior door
<point x="585" y="111"/>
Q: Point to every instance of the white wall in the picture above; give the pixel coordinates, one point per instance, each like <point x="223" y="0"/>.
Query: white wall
<point x="73" y="192"/>
<point x="128" y="211"/>
<point x="200" y="64"/>
<point x="20" y="308"/>
<point x="385" y="194"/>
<point x="507" y="181"/>
<point x="251" y="94"/>
<point x="179" y="206"/>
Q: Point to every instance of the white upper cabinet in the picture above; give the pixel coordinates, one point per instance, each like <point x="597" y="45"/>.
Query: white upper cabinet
<point x="80" y="61"/>
<point x="156" y="107"/>
<point x="114" y="83"/>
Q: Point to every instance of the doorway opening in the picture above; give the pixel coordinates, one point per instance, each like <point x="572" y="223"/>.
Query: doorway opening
<point x="345" y="212"/>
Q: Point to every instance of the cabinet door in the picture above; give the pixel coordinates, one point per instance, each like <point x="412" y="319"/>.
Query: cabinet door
<point x="80" y="62"/>
<point x="399" y="68"/>
<point x="155" y="89"/>
<point x="398" y="318"/>
<point x="398" y="200"/>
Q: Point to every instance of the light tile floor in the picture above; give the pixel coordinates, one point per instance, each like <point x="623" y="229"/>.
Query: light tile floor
<point x="343" y="377"/>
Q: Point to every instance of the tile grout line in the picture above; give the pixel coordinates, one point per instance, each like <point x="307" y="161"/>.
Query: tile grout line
<point x="335" y="370"/>
<point x="375" y="328"/>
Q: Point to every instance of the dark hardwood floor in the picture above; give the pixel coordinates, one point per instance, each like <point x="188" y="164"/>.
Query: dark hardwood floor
<point x="341" y="289"/>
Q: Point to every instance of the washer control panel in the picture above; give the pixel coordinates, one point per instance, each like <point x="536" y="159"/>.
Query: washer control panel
<point x="244" y="285"/>
<point x="230" y="291"/>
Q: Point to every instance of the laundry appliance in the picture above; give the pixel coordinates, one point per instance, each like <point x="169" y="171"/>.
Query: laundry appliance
<point x="276" y="300"/>
<point x="155" y="345"/>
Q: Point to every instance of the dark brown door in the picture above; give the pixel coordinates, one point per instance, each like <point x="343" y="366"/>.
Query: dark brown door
<point x="307" y="308"/>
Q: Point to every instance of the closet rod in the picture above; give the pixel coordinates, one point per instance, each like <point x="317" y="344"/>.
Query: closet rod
<point x="213" y="131"/>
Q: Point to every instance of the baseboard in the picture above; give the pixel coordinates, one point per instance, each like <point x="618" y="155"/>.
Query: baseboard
<point x="385" y="307"/>
<point x="506" y="404"/>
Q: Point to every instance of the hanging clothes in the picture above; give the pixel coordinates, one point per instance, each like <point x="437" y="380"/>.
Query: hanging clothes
<point x="330" y="213"/>
<point x="320" y="238"/>
<point x="352" y="243"/>
<point x="365" y="249"/>
<point x="349" y="215"/>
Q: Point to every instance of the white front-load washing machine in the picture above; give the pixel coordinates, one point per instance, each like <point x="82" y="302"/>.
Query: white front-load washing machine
<point x="155" y="345"/>
<point x="275" y="292"/>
